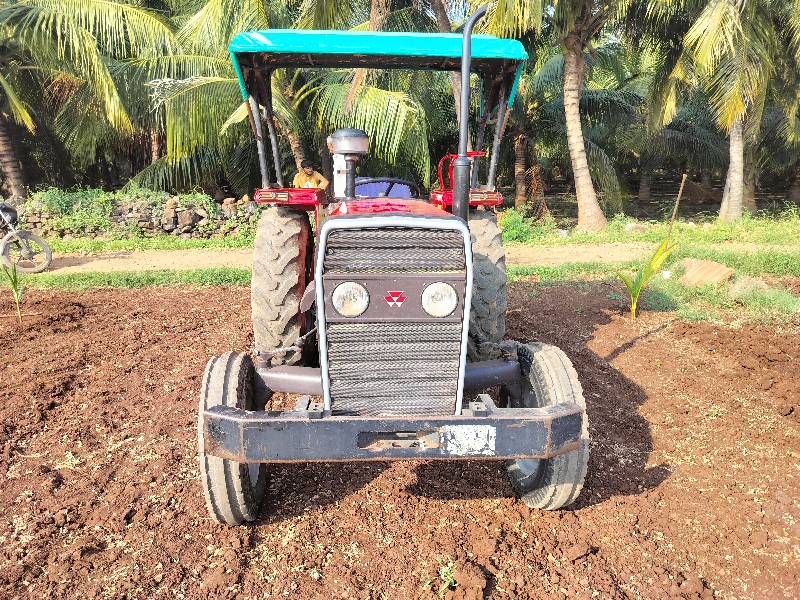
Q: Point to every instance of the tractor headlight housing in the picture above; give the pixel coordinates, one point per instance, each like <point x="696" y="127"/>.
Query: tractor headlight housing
<point x="350" y="299"/>
<point x="439" y="299"/>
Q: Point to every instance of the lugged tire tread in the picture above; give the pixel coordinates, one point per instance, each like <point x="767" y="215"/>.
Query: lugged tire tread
<point x="560" y="479"/>
<point x="489" y="282"/>
<point x="278" y="281"/>
<point x="231" y="497"/>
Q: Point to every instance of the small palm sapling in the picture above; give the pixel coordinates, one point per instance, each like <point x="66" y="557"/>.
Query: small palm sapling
<point x="16" y="289"/>
<point x="636" y="283"/>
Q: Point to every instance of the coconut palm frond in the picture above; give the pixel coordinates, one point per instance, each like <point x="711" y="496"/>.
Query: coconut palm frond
<point x="202" y="167"/>
<point x="196" y="110"/>
<point x="239" y="166"/>
<point x="610" y="106"/>
<point x="119" y="29"/>
<point x="603" y="173"/>
<point x="509" y="18"/>
<point x="211" y="27"/>
<point x="173" y="66"/>
<point x="57" y="41"/>
<point x="548" y="78"/>
<point x="18" y="108"/>
<point x="331" y="15"/>
<point x="388" y="117"/>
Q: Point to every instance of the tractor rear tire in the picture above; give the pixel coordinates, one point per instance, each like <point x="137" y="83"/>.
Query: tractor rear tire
<point x="548" y="379"/>
<point x="488" y="314"/>
<point x="281" y="270"/>
<point x="233" y="491"/>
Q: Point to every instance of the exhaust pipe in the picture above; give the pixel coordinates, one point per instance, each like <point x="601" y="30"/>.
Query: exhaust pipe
<point x="461" y="165"/>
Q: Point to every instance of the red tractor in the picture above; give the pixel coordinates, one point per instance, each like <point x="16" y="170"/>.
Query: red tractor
<point x="388" y="316"/>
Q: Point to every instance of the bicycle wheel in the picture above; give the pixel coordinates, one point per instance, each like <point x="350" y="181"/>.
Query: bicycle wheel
<point x="25" y="250"/>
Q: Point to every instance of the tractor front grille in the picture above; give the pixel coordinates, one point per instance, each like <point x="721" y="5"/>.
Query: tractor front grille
<point x="393" y="368"/>
<point x="396" y="364"/>
<point x="394" y="251"/>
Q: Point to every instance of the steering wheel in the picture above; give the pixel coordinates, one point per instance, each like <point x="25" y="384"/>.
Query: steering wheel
<point x="392" y="181"/>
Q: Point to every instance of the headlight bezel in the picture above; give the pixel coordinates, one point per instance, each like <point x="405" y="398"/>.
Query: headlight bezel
<point x="448" y="308"/>
<point x="353" y="286"/>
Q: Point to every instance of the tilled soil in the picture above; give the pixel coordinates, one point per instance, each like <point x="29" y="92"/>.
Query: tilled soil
<point x="692" y="489"/>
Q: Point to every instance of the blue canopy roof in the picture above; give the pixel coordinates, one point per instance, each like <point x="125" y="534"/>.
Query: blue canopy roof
<point x="279" y="48"/>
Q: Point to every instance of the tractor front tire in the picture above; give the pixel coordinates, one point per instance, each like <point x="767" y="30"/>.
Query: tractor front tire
<point x="548" y="379"/>
<point x="281" y="258"/>
<point x="233" y="491"/>
<point x="488" y="314"/>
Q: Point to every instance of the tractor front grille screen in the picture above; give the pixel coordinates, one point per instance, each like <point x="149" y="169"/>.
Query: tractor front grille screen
<point x="394" y="365"/>
<point x="394" y="250"/>
<point x="393" y="368"/>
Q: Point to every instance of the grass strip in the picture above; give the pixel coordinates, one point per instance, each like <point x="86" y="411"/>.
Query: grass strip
<point x="163" y="242"/>
<point x="578" y="271"/>
<point x="784" y="229"/>
<point x="223" y="276"/>
<point x="760" y="262"/>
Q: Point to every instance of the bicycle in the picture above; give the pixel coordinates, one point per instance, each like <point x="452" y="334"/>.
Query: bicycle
<point x="20" y="248"/>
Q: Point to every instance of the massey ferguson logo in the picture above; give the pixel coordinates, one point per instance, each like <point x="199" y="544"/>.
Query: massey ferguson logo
<point x="394" y="298"/>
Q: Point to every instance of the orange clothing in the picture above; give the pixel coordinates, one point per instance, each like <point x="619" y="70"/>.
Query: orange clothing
<point x="315" y="180"/>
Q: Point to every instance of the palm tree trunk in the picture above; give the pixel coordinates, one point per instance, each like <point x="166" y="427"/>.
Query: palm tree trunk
<point x="520" y="168"/>
<point x="295" y="143"/>
<point x="10" y="164"/>
<point x="794" y="191"/>
<point x="298" y="152"/>
<point x="733" y="210"/>
<point x="705" y="181"/>
<point x="726" y="194"/>
<point x="750" y="177"/>
<point x="645" y="181"/>
<point x="155" y="146"/>
<point x="590" y="217"/>
<point x="749" y="196"/>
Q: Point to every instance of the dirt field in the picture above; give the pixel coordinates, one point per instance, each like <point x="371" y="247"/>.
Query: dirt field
<point x="692" y="490"/>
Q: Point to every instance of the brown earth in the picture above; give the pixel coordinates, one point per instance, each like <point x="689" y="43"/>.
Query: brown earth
<point x="692" y="489"/>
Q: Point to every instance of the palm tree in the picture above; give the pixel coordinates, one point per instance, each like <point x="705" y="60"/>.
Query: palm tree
<point x="61" y="68"/>
<point x="12" y="104"/>
<point x="739" y="53"/>
<point x="575" y="23"/>
<point x="207" y="137"/>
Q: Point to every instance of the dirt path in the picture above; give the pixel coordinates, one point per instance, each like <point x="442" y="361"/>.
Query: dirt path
<point x="692" y="491"/>
<point x="242" y="258"/>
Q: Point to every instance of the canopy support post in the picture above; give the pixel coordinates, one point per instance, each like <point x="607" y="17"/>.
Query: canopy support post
<point x="265" y="92"/>
<point x="486" y="109"/>
<point x="499" y="127"/>
<point x="255" y="121"/>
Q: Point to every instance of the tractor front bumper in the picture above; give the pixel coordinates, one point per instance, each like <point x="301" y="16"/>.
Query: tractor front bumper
<point x="309" y="433"/>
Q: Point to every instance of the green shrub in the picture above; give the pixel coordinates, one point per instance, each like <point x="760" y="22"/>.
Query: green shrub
<point x="83" y="210"/>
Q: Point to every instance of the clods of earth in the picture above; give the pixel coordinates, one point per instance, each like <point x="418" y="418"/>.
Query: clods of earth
<point x="692" y="491"/>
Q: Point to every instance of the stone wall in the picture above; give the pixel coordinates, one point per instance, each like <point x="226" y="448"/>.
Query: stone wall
<point x="144" y="219"/>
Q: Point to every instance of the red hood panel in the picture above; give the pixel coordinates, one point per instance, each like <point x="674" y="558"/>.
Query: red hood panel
<point x="371" y="206"/>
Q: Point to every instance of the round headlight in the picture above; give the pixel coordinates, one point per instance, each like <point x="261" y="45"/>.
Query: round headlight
<point x="439" y="299"/>
<point x="350" y="299"/>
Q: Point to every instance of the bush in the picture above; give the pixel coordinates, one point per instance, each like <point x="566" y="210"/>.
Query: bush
<point x="519" y="229"/>
<point x="89" y="210"/>
<point x="86" y="210"/>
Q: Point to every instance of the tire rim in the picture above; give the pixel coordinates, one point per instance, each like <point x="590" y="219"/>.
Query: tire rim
<point x="529" y="466"/>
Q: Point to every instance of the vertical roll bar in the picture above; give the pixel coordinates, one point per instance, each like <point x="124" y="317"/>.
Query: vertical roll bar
<point x="273" y="138"/>
<point x="479" y="137"/>
<point x="255" y="118"/>
<point x="461" y="165"/>
<point x="499" y="126"/>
